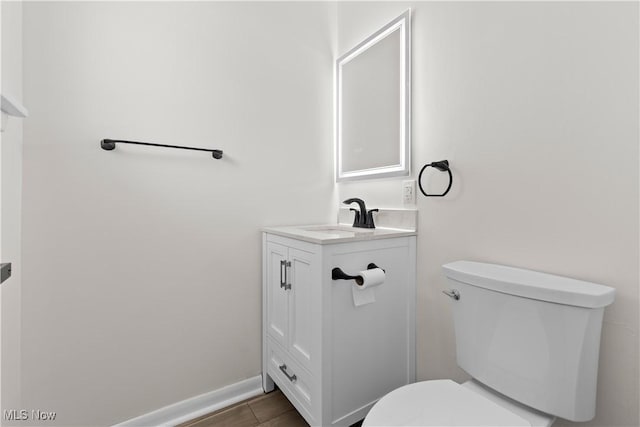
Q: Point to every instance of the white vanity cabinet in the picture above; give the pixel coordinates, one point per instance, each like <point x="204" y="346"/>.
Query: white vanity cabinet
<point x="331" y="359"/>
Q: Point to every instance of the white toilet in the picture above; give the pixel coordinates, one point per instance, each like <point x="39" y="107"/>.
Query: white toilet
<point x="531" y="343"/>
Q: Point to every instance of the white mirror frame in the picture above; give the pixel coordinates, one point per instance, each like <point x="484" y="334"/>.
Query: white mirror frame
<point x="402" y="24"/>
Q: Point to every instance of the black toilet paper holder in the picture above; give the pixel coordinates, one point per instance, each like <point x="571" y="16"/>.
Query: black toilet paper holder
<point x="338" y="274"/>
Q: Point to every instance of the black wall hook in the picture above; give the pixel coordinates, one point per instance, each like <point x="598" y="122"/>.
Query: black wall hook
<point x="443" y="166"/>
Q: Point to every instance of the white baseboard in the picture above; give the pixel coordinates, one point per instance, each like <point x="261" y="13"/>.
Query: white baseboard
<point x="194" y="407"/>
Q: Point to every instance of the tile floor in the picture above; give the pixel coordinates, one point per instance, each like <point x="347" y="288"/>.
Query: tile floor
<point x="267" y="410"/>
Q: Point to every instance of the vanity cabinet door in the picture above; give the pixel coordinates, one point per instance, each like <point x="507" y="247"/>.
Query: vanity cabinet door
<point x="277" y="293"/>
<point x="303" y="276"/>
<point x="290" y="276"/>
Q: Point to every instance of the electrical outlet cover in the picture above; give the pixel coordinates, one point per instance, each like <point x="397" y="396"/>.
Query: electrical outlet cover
<point x="409" y="192"/>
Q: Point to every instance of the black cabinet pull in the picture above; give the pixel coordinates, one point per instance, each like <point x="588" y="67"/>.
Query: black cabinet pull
<point x="283" y="274"/>
<point x="291" y="378"/>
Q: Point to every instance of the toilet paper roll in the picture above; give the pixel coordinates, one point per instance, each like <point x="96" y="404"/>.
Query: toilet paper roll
<point x="364" y="291"/>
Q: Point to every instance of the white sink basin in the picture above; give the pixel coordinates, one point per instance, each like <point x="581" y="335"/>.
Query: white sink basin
<point x="337" y="229"/>
<point x="336" y="233"/>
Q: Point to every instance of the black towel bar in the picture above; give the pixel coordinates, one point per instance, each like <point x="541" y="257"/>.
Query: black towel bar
<point x="110" y="144"/>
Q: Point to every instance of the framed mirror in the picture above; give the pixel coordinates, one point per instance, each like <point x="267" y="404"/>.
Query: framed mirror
<point x="373" y="103"/>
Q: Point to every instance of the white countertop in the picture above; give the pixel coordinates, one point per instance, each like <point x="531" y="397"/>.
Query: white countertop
<point x="336" y="233"/>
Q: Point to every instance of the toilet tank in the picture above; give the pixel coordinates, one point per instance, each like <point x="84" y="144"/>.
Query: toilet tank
<point x="531" y="336"/>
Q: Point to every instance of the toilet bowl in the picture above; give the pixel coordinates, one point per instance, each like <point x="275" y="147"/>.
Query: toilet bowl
<point x="447" y="403"/>
<point x="529" y="340"/>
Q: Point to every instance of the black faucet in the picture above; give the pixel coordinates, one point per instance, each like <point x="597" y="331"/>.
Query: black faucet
<point x="364" y="218"/>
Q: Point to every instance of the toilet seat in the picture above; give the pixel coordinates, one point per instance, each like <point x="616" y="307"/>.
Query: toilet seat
<point x="440" y="403"/>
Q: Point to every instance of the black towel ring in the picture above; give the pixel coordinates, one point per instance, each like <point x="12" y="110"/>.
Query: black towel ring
<point x="443" y="166"/>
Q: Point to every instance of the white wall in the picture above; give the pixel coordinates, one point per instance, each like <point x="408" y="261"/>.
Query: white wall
<point x="142" y="267"/>
<point x="142" y="281"/>
<point x="536" y="107"/>
<point x="11" y="182"/>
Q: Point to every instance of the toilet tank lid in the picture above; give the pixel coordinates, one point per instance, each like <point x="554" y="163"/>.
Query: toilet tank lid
<point x="530" y="284"/>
